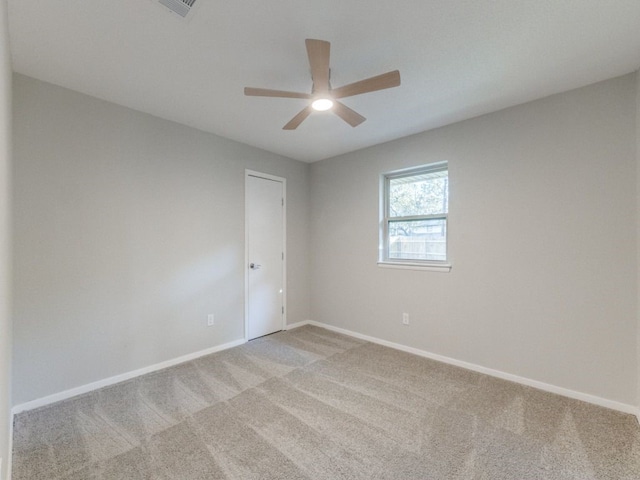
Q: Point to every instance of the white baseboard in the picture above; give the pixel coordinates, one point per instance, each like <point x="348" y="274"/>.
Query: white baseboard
<point x="10" y="457"/>
<point x="585" y="397"/>
<point x="56" y="397"/>
<point x="291" y="326"/>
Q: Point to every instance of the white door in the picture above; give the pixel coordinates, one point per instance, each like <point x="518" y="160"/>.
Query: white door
<point x="265" y="254"/>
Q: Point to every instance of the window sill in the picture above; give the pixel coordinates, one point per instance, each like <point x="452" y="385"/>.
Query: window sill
<point x="429" y="267"/>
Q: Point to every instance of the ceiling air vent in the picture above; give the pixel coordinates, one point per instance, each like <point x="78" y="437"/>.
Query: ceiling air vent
<point x="179" y="7"/>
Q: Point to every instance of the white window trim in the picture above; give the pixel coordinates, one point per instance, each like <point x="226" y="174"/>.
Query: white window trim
<point x="426" y="266"/>
<point x="383" y="260"/>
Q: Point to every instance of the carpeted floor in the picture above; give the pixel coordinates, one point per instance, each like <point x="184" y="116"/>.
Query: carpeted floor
<point x="313" y="404"/>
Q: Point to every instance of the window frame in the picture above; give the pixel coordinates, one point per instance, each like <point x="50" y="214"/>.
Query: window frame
<point x="385" y="219"/>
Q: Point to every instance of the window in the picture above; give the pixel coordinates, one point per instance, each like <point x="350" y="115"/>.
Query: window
<point x="415" y="208"/>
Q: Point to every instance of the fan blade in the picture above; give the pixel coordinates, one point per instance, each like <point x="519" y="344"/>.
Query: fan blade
<point x="380" y="82"/>
<point x="352" y="117"/>
<point x="298" y="119"/>
<point x="265" y="92"/>
<point x="318" y="52"/>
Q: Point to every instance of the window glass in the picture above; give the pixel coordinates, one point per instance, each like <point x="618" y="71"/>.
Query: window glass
<point x="418" y="240"/>
<point x="419" y="195"/>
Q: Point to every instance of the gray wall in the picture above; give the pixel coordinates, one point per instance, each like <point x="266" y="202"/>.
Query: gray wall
<point x="5" y="262"/>
<point x="638" y="210"/>
<point x="128" y="231"/>
<point x="543" y="215"/>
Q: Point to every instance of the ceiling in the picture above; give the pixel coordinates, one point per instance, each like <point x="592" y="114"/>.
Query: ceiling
<point x="457" y="59"/>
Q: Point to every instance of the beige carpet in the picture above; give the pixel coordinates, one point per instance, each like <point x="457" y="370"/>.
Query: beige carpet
<point x="313" y="404"/>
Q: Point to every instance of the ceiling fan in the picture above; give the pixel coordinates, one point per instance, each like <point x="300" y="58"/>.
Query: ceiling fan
<point x="322" y="95"/>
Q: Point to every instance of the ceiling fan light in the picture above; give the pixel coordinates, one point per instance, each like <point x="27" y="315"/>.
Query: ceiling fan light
<point x="322" y="104"/>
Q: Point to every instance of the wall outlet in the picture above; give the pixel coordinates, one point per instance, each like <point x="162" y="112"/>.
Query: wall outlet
<point x="210" y="322"/>
<point x="405" y="319"/>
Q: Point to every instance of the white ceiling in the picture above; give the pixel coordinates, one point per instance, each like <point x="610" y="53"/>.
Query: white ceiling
<point x="457" y="59"/>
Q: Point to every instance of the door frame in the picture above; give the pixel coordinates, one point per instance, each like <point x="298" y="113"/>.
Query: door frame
<point x="252" y="173"/>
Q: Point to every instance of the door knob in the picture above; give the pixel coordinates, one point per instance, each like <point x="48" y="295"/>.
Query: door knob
<point x="254" y="266"/>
